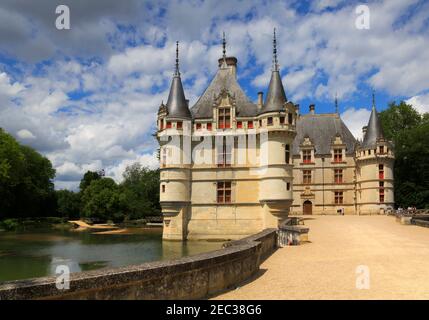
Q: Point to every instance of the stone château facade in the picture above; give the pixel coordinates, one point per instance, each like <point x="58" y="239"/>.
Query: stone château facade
<point x="231" y="167"/>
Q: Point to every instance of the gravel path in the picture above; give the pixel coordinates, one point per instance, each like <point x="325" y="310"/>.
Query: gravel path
<point x="397" y="257"/>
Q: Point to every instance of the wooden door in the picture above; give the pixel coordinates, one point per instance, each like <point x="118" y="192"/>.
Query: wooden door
<point x="307" y="207"/>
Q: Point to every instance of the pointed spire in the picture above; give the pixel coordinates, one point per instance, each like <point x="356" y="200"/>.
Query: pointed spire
<point x="336" y="103"/>
<point x="223" y="46"/>
<point x="177" y="106"/>
<point x="275" y="62"/>
<point x="374" y="129"/>
<point x="223" y="64"/>
<point x="276" y="97"/>
<point x="176" y="70"/>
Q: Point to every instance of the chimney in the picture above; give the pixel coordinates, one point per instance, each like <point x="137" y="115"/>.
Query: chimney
<point x="231" y="62"/>
<point x="260" y="99"/>
<point x="364" y="128"/>
<point x="312" y="108"/>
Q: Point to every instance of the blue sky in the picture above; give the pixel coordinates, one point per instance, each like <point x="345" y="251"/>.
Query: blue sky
<point x="87" y="97"/>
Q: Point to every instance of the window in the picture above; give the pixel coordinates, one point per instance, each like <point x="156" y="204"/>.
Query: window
<point x="161" y="125"/>
<point x="224" y="192"/>
<point x="290" y="118"/>
<point x="260" y="123"/>
<point x="306" y="156"/>
<point x="270" y="121"/>
<point x="381" y="172"/>
<point x="338" y="197"/>
<point x="381" y="191"/>
<point x="209" y="126"/>
<point x="250" y="124"/>
<point x="239" y="124"/>
<point x="164" y="156"/>
<point x="224" y="118"/>
<point x="287" y="153"/>
<point x="198" y="126"/>
<point x="163" y="188"/>
<point x="288" y="186"/>
<point x="338" y="173"/>
<point x="282" y="120"/>
<point x="224" y="152"/>
<point x="168" y="124"/>
<point x="306" y="176"/>
<point x="338" y="155"/>
<point x="382" y="149"/>
<point x="369" y="151"/>
<point x="179" y="125"/>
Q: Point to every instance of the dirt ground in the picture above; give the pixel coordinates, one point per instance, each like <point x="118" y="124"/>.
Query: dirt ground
<point x="397" y="258"/>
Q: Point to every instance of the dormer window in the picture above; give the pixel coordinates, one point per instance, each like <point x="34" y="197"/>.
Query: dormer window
<point x="250" y="124"/>
<point x="306" y="156"/>
<point x="290" y="118"/>
<point x="382" y="149"/>
<point x="282" y="120"/>
<point x="270" y="121"/>
<point x="179" y="125"/>
<point x="338" y="155"/>
<point x="209" y="126"/>
<point x="239" y="124"/>
<point x="168" y="125"/>
<point x="198" y="126"/>
<point x="161" y="125"/>
<point x="224" y="120"/>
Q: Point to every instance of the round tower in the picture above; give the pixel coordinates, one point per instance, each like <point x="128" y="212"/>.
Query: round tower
<point x="174" y="137"/>
<point x="374" y="169"/>
<point x="277" y="129"/>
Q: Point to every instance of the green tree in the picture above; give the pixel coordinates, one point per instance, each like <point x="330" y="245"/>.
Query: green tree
<point x="141" y="190"/>
<point x="103" y="200"/>
<point x="26" y="188"/>
<point x="398" y="118"/>
<point x="409" y="131"/>
<point x="68" y="203"/>
<point x="88" y="177"/>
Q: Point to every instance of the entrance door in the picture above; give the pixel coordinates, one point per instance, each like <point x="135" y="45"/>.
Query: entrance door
<point x="307" y="207"/>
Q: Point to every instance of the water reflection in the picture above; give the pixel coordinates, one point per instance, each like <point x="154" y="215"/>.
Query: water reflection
<point x="27" y="255"/>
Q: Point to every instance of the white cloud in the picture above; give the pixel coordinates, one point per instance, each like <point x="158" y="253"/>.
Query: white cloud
<point x="355" y="119"/>
<point x="421" y="102"/>
<point x="25" y="134"/>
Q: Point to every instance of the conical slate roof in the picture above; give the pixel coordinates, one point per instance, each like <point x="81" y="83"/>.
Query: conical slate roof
<point x="177" y="106"/>
<point x="276" y="96"/>
<point x="374" y="130"/>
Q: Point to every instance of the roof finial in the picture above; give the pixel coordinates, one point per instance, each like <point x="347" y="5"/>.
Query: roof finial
<point x="224" y="45"/>
<point x="176" y="71"/>
<point x="336" y="103"/>
<point x="275" y="63"/>
<point x="373" y="98"/>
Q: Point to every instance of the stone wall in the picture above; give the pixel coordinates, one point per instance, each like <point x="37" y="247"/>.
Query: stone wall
<point x="191" y="277"/>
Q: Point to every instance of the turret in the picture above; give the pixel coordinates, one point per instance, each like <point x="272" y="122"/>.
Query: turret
<point x="374" y="174"/>
<point x="174" y="136"/>
<point x="277" y="119"/>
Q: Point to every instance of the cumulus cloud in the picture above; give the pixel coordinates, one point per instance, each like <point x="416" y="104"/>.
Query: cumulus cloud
<point x="25" y="134"/>
<point x="421" y="102"/>
<point x="355" y="119"/>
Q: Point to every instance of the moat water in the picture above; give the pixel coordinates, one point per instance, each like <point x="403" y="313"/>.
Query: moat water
<point x="37" y="254"/>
